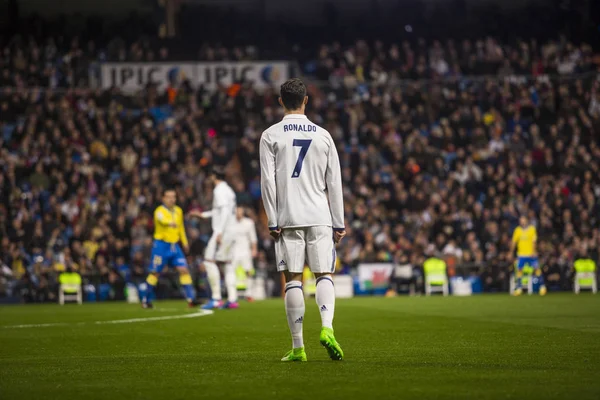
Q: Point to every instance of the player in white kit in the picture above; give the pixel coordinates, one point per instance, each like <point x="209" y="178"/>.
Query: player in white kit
<point x="245" y="248"/>
<point x="302" y="194"/>
<point x="219" y="247"/>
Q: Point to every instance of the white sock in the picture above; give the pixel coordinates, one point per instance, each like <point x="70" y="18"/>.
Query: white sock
<point x="214" y="279"/>
<point x="325" y="297"/>
<point x="249" y="287"/>
<point x="294" y="309"/>
<point x="230" y="283"/>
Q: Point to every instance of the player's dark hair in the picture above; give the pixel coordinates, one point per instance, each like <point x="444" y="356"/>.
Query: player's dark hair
<point x="292" y="93"/>
<point x="168" y="189"/>
<point x="218" y="171"/>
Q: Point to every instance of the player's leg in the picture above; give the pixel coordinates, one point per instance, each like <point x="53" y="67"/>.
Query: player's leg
<point x="519" y="275"/>
<point x="290" y="252"/>
<point x="151" y="282"/>
<point x="157" y="262"/>
<point x="248" y="268"/>
<point x="244" y="272"/>
<point x="538" y="272"/>
<point x="185" y="279"/>
<point x="231" y="285"/>
<point x="240" y="273"/>
<point x="224" y="257"/>
<point x="321" y="260"/>
<point x="212" y="273"/>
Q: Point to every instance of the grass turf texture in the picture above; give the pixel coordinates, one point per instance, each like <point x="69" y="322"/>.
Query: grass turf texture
<point x="484" y="347"/>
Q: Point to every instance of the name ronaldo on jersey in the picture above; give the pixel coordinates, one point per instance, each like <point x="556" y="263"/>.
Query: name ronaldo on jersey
<point x="299" y="128"/>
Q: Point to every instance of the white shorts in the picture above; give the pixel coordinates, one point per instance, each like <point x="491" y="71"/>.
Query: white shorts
<point x="222" y="252"/>
<point x="312" y="245"/>
<point x="244" y="262"/>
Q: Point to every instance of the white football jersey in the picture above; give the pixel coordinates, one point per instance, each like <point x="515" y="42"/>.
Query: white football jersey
<point x="301" y="181"/>
<point x="244" y="232"/>
<point x="223" y="208"/>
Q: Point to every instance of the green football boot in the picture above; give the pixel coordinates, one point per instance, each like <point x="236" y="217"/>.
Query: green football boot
<point x="295" y="355"/>
<point x="333" y="347"/>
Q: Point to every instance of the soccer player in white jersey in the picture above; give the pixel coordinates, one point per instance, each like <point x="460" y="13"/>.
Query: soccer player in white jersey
<point x="245" y="248"/>
<point x="302" y="194"/>
<point x="218" y="249"/>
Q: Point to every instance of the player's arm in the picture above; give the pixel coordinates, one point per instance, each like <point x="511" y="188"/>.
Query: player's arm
<point x="513" y="242"/>
<point x="267" y="181"/>
<point x="534" y="241"/>
<point x="333" y="179"/>
<point x="223" y="206"/>
<point x="223" y="211"/>
<point x="201" y="214"/>
<point x="182" y="236"/>
<point x="160" y="218"/>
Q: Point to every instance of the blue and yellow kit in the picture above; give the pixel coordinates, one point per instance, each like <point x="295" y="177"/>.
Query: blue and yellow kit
<point x="525" y="239"/>
<point x="169" y="231"/>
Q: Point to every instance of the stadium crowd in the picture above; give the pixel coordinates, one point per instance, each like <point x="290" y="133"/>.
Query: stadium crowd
<point x="443" y="146"/>
<point x="57" y="62"/>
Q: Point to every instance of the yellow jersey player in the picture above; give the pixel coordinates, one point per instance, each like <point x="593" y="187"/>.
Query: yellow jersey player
<point x="169" y="232"/>
<point x="525" y="239"/>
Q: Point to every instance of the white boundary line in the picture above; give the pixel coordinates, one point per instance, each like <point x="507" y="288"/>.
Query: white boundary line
<point x="200" y="313"/>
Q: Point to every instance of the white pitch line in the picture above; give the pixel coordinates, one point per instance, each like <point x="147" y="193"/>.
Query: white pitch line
<point x="200" y="313"/>
<point x="38" y="325"/>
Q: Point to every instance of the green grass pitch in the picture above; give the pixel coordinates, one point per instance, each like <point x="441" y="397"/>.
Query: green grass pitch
<point x="480" y="347"/>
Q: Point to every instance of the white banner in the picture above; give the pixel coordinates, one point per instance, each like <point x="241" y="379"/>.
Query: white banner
<point x="130" y="77"/>
<point x="375" y="275"/>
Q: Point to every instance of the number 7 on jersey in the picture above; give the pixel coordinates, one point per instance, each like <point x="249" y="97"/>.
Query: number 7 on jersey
<point x="304" y="144"/>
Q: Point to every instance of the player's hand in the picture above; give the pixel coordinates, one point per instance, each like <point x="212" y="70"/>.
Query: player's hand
<point x="254" y="253"/>
<point x="338" y="235"/>
<point x="275" y="233"/>
<point x="186" y="249"/>
<point x="173" y="225"/>
<point x="195" y="213"/>
<point x="219" y="238"/>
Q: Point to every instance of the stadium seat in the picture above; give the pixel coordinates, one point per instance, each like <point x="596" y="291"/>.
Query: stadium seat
<point x="70" y="288"/>
<point x="436" y="279"/>
<point x="344" y="286"/>
<point x="131" y="294"/>
<point x="404" y="279"/>
<point x="585" y="275"/>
